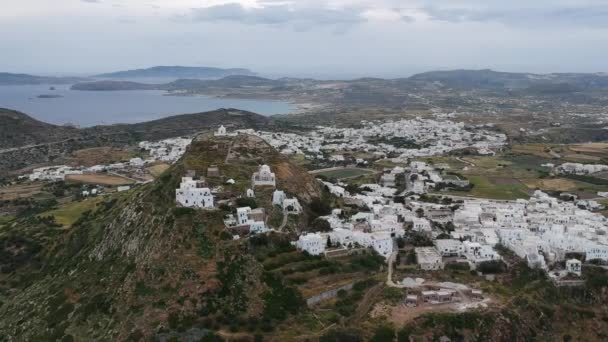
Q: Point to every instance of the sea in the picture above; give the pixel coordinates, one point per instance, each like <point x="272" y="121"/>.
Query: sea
<point x="89" y="108"/>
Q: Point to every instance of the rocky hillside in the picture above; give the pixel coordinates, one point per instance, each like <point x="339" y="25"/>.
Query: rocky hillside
<point x="25" y="141"/>
<point x="137" y="267"/>
<point x="19" y="129"/>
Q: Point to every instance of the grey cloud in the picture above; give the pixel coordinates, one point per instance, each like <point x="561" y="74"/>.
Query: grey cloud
<point x="92" y="1"/>
<point x="126" y="21"/>
<point x="566" y="16"/>
<point x="301" y="19"/>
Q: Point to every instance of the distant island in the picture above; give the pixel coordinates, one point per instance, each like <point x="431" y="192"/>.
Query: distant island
<point x="177" y="72"/>
<point x="49" y="96"/>
<point x="234" y="81"/>
<point x="25" y="79"/>
<point x="114" y="85"/>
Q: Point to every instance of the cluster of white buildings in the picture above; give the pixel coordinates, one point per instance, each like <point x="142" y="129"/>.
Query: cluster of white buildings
<point x="53" y="173"/>
<point x="579" y="169"/>
<point x="374" y="230"/>
<point x="433" y="137"/>
<point x="59" y="172"/>
<point x="542" y="230"/>
<point x="168" y="150"/>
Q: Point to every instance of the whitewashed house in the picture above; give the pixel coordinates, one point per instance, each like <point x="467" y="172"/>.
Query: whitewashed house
<point x="382" y="243"/>
<point x="292" y="206"/>
<point x="278" y="196"/>
<point x="449" y="247"/>
<point x="254" y="218"/>
<point x="242" y="215"/>
<point x="574" y="266"/>
<point x="193" y="194"/>
<point x="313" y="243"/>
<point x="597" y="252"/>
<point x="221" y="131"/>
<point x="428" y="259"/>
<point x="421" y="225"/>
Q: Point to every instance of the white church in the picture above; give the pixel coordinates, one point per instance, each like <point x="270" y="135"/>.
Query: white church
<point x="193" y="194"/>
<point x="264" y="177"/>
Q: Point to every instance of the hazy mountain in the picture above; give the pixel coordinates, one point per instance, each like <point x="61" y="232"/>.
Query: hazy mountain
<point x="177" y="72"/>
<point x="25" y="79"/>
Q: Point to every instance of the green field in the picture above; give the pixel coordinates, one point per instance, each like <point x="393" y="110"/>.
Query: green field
<point x="488" y="188"/>
<point x="68" y="214"/>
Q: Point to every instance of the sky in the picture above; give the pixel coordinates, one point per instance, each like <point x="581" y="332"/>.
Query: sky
<point x="305" y="38"/>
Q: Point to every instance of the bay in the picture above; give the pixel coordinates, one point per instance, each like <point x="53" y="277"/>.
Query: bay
<point x="89" y="108"/>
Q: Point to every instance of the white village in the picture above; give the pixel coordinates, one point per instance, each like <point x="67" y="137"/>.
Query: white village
<point x="543" y="230"/>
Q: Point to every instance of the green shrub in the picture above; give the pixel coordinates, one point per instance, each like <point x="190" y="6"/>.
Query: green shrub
<point x="247" y="202"/>
<point x="179" y="212"/>
<point x="383" y="334"/>
<point x="280" y="299"/>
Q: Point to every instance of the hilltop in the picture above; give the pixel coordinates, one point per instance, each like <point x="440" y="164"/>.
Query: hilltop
<point x="137" y="267"/>
<point x="177" y="72"/>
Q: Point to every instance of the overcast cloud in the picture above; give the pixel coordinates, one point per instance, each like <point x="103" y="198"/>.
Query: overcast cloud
<point x="321" y="38"/>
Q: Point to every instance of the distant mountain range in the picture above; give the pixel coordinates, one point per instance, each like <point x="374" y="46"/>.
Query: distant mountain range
<point x="25" y="79"/>
<point x="457" y="79"/>
<point x="205" y="77"/>
<point x="177" y="72"/>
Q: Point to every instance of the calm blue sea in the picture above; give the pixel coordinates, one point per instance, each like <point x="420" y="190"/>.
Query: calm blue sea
<point x="88" y="108"/>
